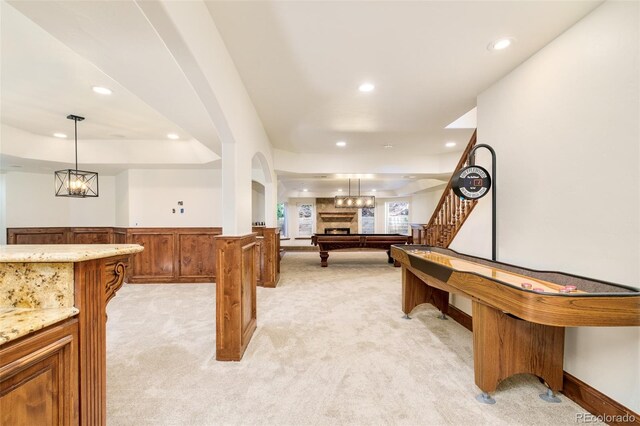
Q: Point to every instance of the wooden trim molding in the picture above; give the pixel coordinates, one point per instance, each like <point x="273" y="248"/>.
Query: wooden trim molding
<point x="461" y="317"/>
<point x="595" y="402"/>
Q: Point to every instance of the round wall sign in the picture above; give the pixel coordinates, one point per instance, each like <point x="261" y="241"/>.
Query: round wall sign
<point x="471" y="183"/>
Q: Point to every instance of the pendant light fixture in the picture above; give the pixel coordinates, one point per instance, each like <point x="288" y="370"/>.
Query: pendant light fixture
<point x="358" y="202"/>
<point x="73" y="182"/>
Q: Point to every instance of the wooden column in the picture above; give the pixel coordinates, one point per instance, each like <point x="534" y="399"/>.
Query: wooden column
<point x="504" y="346"/>
<point x="259" y="260"/>
<point x="270" y="257"/>
<point x="236" y="259"/>
<point x="96" y="282"/>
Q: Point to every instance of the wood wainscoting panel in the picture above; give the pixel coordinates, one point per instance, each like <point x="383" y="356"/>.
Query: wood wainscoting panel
<point x="157" y="261"/>
<point x="39" y="377"/>
<point x="37" y="235"/>
<point x="119" y="236"/>
<point x="91" y="235"/>
<point x="196" y="255"/>
<point x="171" y="255"/>
<point x="235" y="295"/>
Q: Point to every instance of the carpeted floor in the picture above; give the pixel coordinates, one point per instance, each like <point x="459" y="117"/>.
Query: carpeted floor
<point x="331" y="348"/>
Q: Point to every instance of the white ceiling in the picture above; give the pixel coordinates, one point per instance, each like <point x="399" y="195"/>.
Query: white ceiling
<point x="43" y="81"/>
<point x="302" y="63"/>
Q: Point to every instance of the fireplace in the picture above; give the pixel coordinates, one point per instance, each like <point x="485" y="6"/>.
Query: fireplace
<point x="337" y="231"/>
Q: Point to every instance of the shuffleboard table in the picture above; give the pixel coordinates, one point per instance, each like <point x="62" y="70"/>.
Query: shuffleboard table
<point x="330" y="242"/>
<point x="519" y="315"/>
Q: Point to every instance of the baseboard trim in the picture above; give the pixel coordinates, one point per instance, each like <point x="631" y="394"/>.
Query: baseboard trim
<point x="589" y="398"/>
<point x="597" y="403"/>
<point x="461" y="317"/>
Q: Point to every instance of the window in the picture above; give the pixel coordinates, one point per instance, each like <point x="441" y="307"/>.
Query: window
<point x="281" y="217"/>
<point x="397" y="215"/>
<point x="368" y="220"/>
<point x="305" y="220"/>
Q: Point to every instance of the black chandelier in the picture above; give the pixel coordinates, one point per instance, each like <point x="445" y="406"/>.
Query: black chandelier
<point x="74" y="182"/>
<point x="358" y="201"/>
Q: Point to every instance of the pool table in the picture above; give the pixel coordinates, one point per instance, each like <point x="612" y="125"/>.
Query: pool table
<point x="519" y="314"/>
<point x="330" y="242"/>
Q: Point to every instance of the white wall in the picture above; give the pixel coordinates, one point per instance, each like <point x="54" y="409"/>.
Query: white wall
<point x="423" y="204"/>
<point x="31" y="201"/>
<point x="257" y="202"/>
<point x="565" y="128"/>
<point x="132" y="198"/>
<point x="190" y="34"/>
<point x="122" y="199"/>
<point x="3" y="209"/>
<point x="153" y="194"/>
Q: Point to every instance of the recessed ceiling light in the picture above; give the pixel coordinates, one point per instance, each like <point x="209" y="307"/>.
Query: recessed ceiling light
<point x="500" y="44"/>
<point x="102" y="90"/>
<point x="59" y="135"/>
<point x="373" y="190"/>
<point x="387" y="146"/>
<point x="305" y="190"/>
<point x="173" y="136"/>
<point x="341" y="144"/>
<point x="450" y="144"/>
<point x="339" y="189"/>
<point x="366" y="87"/>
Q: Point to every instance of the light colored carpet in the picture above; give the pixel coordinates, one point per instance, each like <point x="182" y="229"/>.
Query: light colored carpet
<point x="331" y="347"/>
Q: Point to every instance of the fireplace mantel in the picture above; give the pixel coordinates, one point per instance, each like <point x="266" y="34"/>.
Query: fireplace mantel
<point x="337" y="216"/>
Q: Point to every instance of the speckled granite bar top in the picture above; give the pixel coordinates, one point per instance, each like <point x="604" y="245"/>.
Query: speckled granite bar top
<point x="63" y="252"/>
<point x="36" y="285"/>
<point x="18" y="322"/>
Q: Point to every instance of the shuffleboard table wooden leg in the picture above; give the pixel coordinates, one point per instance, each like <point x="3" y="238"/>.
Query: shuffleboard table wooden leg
<point x="324" y="256"/>
<point x="504" y="346"/>
<point x="415" y="292"/>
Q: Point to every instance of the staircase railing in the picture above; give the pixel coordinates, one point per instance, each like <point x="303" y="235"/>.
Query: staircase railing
<point x="451" y="212"/>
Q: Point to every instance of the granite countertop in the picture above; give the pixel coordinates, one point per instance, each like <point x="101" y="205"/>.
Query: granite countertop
<point x="18" y="322"/>
<point x="64" y="252"/>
